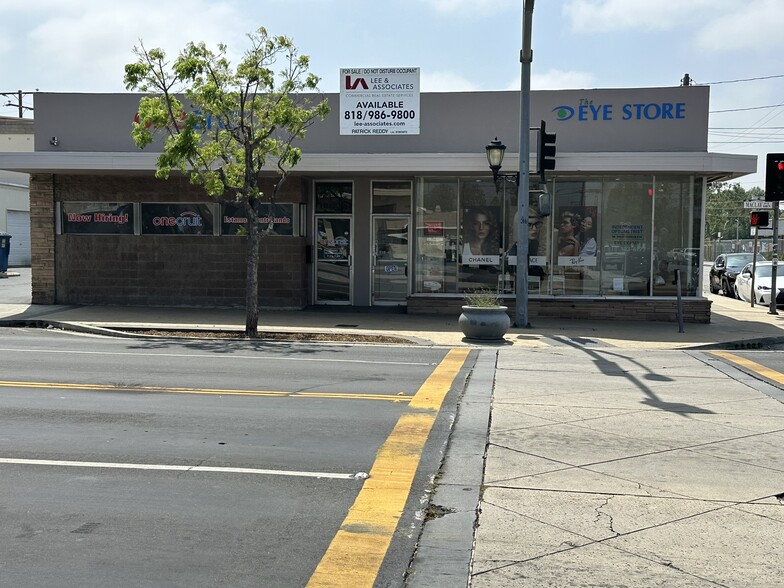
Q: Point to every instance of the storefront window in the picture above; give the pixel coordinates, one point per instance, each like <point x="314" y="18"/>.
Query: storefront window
<point x="538" y="241"/>
<point x="625" y="236"/>
<point x="676" y="237"/>
<point x="575" y="253"/>
<point x="436" y="236"/>
<point x="461" y="234"/>
<point x="177" y="219"/>
<point x="391" y="197"/>
<point x="334" y="197"/>
<point x="97" y="218"/>
<point x="234" y="221"/>
<point x="482" y="215"/>
<point x="605" y="236"/>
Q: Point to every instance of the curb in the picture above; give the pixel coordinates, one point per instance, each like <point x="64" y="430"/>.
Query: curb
<point x="759" y="343"/>
<point x="446" y="543"/>
<point x="128" y="332"/>
<point x="76" y="327"/>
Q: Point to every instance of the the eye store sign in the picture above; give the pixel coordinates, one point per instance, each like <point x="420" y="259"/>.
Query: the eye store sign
<point x="177" y="219"/>
<point x="108" y="218"/>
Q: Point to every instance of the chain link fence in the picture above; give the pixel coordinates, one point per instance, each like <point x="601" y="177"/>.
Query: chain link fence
<point x="715" y="247"/>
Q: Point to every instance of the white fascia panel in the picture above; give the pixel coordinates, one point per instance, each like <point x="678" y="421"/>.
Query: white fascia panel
<point x="701" y="163"/>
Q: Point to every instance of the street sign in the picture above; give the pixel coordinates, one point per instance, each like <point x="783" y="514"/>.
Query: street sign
<point x="758" y="204"/>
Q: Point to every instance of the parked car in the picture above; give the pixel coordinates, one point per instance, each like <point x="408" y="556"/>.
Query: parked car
<point x="725" y="269"/>
<point x="687" y="255"/>
<point x="762" y="284"/>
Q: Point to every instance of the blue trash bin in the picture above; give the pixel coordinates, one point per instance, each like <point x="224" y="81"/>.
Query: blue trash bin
<point x="5" y="246"/>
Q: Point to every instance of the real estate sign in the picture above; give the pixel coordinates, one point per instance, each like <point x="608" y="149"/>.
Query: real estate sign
<point x="379" y="101"/>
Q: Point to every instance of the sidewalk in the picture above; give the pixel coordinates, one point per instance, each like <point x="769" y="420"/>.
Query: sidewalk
<point x="611" y="467"/>
<point x="733" y="322"/>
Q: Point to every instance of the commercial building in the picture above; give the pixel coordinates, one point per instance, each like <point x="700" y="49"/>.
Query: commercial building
<point x="371" y="220"/>
<point x="16" y="135"/>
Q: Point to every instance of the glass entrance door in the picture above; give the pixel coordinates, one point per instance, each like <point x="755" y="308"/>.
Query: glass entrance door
<point x="333" y="260"/>
<point x="390" y="260"/>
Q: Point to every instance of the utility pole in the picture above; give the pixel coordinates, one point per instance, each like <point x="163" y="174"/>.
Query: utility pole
<point x="521" y="278"/>
<point x="18" y="98"/>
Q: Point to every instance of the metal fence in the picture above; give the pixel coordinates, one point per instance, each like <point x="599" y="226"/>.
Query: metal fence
<point x="716" y="247"/>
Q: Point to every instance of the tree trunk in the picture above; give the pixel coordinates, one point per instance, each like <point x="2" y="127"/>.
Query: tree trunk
<point x="252" y="282"/>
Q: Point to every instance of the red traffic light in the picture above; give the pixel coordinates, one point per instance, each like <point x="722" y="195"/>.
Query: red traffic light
<point x="774" y="177"/>
<point x="759" y="219"/>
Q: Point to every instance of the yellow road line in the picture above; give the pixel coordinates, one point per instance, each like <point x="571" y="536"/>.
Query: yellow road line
<point x="356" y="552"/>
<point x="214" y="391"/>
<point x="762" y="370"/>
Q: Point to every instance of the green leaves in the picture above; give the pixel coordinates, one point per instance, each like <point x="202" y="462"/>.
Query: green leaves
<point x="237" y="124"/>
<point x="724" y="206"/>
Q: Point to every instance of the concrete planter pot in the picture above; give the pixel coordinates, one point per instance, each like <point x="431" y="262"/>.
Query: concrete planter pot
<point x="484" y="322"/>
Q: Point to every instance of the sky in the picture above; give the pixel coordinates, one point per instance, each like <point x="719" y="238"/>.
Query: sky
<point x="735" y="46"/>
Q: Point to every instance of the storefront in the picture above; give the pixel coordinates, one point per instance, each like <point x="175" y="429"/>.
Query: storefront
<point x="414" y="221"/>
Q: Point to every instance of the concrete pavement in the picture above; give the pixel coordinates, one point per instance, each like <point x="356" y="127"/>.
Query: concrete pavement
<point x="613" y="453"/>
<point x="618" y="467"/>
<point x="733" y="324"/>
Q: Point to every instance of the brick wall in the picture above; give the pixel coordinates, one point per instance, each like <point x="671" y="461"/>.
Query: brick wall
<point x="695" y="310"/>
<point x="161" y="269"/>
<point x="174" y="271"/>
<point x="42" y="238"/>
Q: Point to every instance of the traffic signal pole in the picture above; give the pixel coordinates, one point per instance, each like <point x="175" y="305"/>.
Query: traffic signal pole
<point x="775" y="259"/>
<point x="754" y="264"/>
<point x="774" y="192"/>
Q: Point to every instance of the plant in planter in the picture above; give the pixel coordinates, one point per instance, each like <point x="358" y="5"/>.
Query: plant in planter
<point x="484" y="316"/>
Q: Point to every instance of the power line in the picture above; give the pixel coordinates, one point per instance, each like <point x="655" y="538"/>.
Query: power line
<point x="741" y="109"/>
<point x="743" y="80"/>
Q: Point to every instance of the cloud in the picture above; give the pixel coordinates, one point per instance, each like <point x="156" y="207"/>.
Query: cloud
<point x="711" y="26"/>
<point x="603" y="16"/>
<point x="5" y="44"/>
<point x="444" y="81"/>
<point x="85" y="48"/>
<point x="556" y="79"/>
<point x="472" y="8"/>
<point x="756" y="25"/>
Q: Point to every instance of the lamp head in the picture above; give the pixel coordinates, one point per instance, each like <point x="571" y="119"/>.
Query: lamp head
<point x="495" y="154"/>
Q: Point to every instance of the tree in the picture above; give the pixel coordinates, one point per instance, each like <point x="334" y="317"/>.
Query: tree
<point x="239" y="126"/>
<point x="724" y="206"/>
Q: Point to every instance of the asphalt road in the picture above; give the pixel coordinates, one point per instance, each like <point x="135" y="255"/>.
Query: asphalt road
<point x="200" y="463"/>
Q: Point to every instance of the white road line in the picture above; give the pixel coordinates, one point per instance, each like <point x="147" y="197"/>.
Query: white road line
<point x="177" y="468"/>
<point x="221" y="357"/>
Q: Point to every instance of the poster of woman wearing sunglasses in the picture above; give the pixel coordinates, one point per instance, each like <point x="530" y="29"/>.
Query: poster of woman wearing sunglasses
<point x="576" y="236"/>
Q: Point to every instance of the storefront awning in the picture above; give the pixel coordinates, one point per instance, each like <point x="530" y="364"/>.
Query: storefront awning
<point x="715" y="166"/>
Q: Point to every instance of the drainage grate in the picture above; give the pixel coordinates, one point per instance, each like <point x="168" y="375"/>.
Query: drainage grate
<point x="345" y="326"/>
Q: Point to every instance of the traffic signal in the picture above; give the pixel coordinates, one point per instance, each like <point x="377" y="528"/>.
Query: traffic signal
<point x="545" y="156"/>
<point x="760" y="218"/>
<point x="774" y="177"/>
